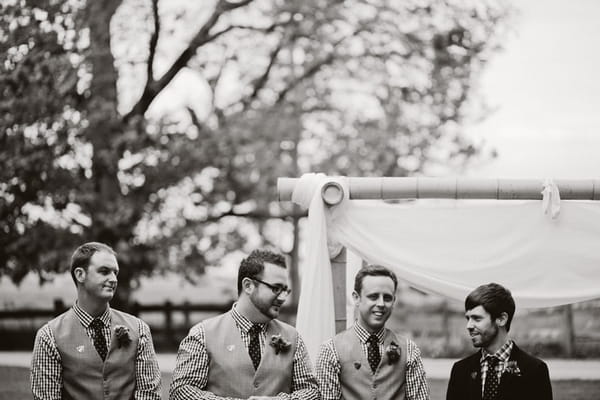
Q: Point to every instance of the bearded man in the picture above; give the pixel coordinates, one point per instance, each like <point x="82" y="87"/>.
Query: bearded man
<point x="247" y="353"/>
<point x="499" y="370"/>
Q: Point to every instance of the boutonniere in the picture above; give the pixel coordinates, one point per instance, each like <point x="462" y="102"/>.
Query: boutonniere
<point x="474" y="375"/>
<point x="122" y="334"/>
<point x="512" y="368"/>
<point x="393" y="353"/>
<point x="279" y="344"/>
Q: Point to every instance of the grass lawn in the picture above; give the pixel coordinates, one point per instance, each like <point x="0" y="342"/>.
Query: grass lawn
<point x="14" y="385"/>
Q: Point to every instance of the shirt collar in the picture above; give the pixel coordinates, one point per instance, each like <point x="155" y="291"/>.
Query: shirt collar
<point x="363" y="334"/>
<point x="86" y="319"/>
<point x="503" y="353"/>
<point x="244" y="323"/>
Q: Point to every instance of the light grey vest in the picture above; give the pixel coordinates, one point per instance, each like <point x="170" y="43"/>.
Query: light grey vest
<point x="356" y="378"/>
<point x="231" y="373"/>
<point x="84" y="374"/>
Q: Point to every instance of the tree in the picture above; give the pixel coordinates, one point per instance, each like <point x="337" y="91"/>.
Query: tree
<point x="95" y="146"/>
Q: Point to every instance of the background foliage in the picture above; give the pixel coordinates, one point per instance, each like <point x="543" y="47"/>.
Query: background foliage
<point x="160" y="127"/>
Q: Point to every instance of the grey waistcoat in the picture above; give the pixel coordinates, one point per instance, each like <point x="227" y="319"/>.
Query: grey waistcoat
<point x="231" y="373"/>
<point x="84" y="374"/>
<point x="356" y="378"/>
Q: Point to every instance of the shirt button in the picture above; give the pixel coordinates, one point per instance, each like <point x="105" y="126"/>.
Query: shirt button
<point x="256" y="384"/>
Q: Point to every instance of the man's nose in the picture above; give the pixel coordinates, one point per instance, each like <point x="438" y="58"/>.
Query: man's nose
<point x="469" y="324"/>
<point x="380" y="301"/>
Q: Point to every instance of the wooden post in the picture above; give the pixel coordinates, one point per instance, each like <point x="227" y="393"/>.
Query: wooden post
<point x="569" y="331"/>
<point x="169" y="321"/>
<point x="338" y="272"/>
<point x="187" y="321"/>
<point x="59" y="306"/>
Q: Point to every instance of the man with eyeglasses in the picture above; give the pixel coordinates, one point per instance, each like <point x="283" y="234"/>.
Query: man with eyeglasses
<point x="247" y="353"/>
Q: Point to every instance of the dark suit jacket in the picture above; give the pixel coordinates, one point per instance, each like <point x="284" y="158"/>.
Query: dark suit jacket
<point x="533" y="384"/>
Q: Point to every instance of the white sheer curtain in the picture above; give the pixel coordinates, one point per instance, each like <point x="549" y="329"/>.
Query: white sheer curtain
<point x="449" y="248"/>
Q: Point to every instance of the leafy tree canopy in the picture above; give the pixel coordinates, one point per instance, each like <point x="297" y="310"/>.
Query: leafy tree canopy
<point x="160" y="127"/>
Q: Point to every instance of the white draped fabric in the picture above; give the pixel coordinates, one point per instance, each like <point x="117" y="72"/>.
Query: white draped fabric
<point x="450" y="247"/>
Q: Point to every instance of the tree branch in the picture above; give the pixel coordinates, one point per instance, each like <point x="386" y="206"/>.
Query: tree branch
<point x="260" y="82"/>
<point x="153" y="42"/>
<point x="257" y="215"/>
<point x="153" y="88"/>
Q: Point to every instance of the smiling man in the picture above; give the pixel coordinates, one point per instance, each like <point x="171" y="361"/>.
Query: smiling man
<point x="369" y="361"/>
<point x="499" y="370"/>
<point x="246" y="352"/>
<point x="93" y="351"/>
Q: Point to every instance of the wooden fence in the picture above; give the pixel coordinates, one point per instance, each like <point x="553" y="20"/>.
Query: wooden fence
<point x="438" y="330"/>
<point x="169" y="322"/>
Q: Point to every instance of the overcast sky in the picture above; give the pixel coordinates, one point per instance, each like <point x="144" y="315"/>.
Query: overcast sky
<point x="546" y="87"/>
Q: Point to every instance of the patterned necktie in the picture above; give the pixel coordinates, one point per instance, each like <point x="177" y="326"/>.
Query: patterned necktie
<point x="490" y="389"/>
<point x="373" y="354"/>
<point x="254" y="347"/>
<point x="99" y="340"/>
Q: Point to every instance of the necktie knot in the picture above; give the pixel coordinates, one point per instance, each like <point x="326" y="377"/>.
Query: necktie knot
<point x="97" y="323"/>
<point x="492" y="361"/>
<point x="254" y="330"/>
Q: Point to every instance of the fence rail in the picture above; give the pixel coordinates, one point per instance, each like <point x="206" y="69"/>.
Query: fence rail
<point x="556" y="332"/>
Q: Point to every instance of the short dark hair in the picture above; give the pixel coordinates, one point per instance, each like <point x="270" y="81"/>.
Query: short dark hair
<point x="495" y="299"/>
<point x="253" y="265"/>
<point x="81" y="256"/>
<point x="373" y="270"/>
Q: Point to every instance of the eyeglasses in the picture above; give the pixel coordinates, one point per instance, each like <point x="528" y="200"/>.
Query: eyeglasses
<point x="277" y="289"/>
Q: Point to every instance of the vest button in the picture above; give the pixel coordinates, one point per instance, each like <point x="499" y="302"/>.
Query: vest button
<point x="374" y="386"/>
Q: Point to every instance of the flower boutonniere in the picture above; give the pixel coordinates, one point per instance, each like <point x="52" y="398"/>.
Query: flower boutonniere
<point x="122" y="334"/>
<point x="474" y="375"/>
<point x="512" y="368"/>
<point x="279" y="344"/>
<point x="393" y="352"/>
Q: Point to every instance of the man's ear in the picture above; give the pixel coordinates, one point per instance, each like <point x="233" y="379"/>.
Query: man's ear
<point x="80" y="274"/>
<point x="355" y="297"/>
<point x="502" y="319"/>
<point x="247" y="285"/>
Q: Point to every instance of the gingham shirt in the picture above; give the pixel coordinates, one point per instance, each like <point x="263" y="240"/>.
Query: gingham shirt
<point x="191" y="371"/>
<point x="503" y="355"/>
<point x="329" y="368"/>
<point x="46" y="365"/>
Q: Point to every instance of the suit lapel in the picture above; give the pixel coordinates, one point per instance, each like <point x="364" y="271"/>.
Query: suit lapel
<point x="474" y="377"/>
<point x="509" y="383"/>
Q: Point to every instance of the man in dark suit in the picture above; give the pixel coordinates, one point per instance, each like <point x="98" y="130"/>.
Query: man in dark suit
<point x="499" y="370"/>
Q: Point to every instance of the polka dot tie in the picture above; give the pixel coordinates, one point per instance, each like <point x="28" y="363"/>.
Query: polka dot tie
<point x="373" y="354"/>
<point x="490" y="389"/>
<point x="99" y="340"/>
<point x="254" y="347"/>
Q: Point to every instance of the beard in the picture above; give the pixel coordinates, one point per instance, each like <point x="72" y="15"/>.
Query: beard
<point x="267" y="307"/>
<point x="486" y="337"/>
